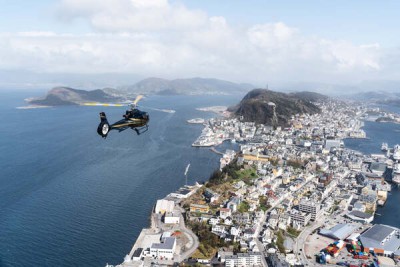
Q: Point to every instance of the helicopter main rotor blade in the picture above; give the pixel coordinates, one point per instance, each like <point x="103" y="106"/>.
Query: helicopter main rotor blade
<point x="103" y="104"/>
<point x="137" y="99"/>
<point x="160" y="109"/>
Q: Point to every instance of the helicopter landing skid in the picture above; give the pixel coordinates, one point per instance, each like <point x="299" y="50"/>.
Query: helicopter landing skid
<point x="141" y="130"/>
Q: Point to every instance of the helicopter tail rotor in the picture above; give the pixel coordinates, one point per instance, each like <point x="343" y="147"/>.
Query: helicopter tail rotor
<point x="104" y="126"/>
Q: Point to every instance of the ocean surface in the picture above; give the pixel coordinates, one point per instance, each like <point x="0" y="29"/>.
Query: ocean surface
<point x="70" y="198"/>
<point x="377" y="133"/>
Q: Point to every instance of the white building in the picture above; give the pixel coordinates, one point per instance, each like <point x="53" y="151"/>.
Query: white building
<point x="299" y="218"/>
<point x="171" y="218"/>
<point x="165" y="249"/>
<point x="243" y="260"/>
<point x="310" y="207"/>
<point x="163" y="206"/>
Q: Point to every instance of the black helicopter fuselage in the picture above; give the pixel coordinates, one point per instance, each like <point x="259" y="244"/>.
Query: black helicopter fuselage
<point x="134" y="119"/>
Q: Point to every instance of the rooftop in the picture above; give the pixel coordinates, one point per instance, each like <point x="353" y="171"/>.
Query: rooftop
<point x="339" y="231"/>
<point x="168" y="243"/>
<point x="382" y="236"/>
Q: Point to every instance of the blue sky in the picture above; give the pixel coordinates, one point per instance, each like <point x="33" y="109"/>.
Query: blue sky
<point x="360" y="21"/>
<point x="248" y="41"/>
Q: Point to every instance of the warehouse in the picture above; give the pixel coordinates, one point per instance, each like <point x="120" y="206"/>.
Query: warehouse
<point x="382" y="239"/>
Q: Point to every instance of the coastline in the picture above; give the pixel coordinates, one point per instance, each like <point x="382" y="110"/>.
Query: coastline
<point x="359" y="135"/>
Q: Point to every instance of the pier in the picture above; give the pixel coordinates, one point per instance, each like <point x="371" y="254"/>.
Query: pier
<point x="213" y="149"/>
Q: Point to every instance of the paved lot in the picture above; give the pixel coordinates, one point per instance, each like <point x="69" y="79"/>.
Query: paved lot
<point x="314" y="243"/>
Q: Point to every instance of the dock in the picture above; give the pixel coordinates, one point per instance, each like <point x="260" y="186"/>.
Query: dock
<point x="213" y="149"/>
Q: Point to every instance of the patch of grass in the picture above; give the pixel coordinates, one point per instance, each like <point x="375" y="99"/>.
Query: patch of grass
<point x="209" y="242"/>
<point x="263" y="203"/>
<point x="279" y="241"/>
<point x="243" y="207"/>
<point x="293" y="232"/>
<point x="246" y="173"/>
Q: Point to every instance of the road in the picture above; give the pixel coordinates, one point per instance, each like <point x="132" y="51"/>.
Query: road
<point x="193" y="239"/>
<point x="301" y="240"/>
<point x="260" y="246"/>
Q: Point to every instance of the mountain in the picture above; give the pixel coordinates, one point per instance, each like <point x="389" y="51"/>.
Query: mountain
<point x="61" y="96"/>
<point x="372" y="96"/>
<point x="258" y="106"/>
<point x="310" y="96"/>
<point x="192" y="86"/>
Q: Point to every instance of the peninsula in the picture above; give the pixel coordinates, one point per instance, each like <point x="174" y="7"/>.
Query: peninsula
<point x="292" y="196"/>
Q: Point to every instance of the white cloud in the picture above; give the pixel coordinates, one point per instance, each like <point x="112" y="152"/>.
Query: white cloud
<point x="157" y="38"/>
<point x="133" y="15"/>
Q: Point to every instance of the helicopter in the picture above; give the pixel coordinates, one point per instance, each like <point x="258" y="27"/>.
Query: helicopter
<point x="133" y="118"/>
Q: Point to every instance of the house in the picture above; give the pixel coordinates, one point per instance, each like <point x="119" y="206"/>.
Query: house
<point x="267" y="236"/>
<point x="284" y="221"/>
<point x="242" y="218"/>
<point x="199" y="208"/>
<point x="210" y="195"/>
<point x="218" y="229"/>
<point x="228" y="221"/>
<point x="224" y="212"/>
<point x="249" y="233"/>
<point x="233" y="204"/>
<point x="235" y="231"/>
<point x="273" y="221"/>
<point x="214" y="221"/>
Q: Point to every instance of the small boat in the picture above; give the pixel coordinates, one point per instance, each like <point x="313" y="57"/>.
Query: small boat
<point x="396" y="173"/>
<point x="384" y="147"/>
<point x="396" y="152"/>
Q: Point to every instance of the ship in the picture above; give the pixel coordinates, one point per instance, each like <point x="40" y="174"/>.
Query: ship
<point x="396" y="173"/>
<point x="384" y="147"/>
<point x="396" y="152"/>
<point x="196" y="121"/>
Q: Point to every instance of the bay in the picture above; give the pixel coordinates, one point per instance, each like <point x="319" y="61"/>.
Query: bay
<point x="377" y="133"/>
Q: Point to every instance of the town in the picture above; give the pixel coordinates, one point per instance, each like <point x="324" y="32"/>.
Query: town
<point x="291" y="196"/>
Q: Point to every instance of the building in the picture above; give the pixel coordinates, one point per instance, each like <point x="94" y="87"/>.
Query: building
<point x="277" y="260"/>
<point x="339" y="231"/>
<point x="199" y="208"/>
<point x="210" y="195"/>
<point x="382" y="239"/>
<point x="359" y="216"/>
<point x="330" y="143"/>
<point x="163" y="206"/>
<point x="171" y="218"/>
<point x="243" y="259"/>
<point x="165" y="249"/>
<point x="299" y="218"/>
<point x="310" y="207"/>
<point x="377" y="168"/>
<point x="224" y="213"/>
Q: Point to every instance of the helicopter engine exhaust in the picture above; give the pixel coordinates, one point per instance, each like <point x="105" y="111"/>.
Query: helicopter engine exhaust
<point x="104" y="126"/>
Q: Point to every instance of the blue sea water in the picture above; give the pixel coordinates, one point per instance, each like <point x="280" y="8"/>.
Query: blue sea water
<point x="70" y="198"/>
<point x="377" y="133"/>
